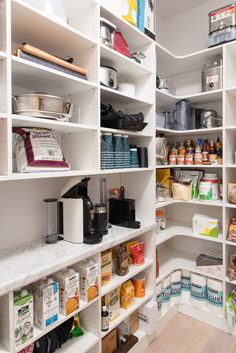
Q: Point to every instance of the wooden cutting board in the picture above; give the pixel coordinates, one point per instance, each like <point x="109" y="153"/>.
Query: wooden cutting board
<point x="46" y="56"/>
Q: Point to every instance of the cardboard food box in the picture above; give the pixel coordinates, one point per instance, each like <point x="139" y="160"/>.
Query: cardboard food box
<point x="204" y="225"/>
<point x="112" y="301"/>
<point x="46" y="303"/>
<point x="68" y="280"/>
<point x="88" y="270"/>
<point x="127" y="297"/>
<point x="23" y="317"/>
<point x="106" y="267"/>
<point x="109" y="342"/>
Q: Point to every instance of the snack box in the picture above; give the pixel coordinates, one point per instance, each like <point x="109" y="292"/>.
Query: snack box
<point x="112" y="301"/>
<point x="106" y="267"/>
<point x="109" y="342"/>
<point x="204" y="225"/>
<point x="127" y="298"/>
<point x="88" y="270"/>
<point x="68" y="280"/>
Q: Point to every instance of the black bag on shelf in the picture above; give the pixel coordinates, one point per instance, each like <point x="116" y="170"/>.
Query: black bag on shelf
<point x="63" y="331"/>
<point x="47" y="344"/>
<point x="113" y="119"/>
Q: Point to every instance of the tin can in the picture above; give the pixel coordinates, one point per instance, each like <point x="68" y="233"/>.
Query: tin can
<point x="189" y="159"/>
<point x="180" y="159"/>
<point x="139" y="286"/>
<point x="172" y="160"/>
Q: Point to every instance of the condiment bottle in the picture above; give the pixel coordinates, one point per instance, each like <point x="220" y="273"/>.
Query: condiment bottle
<point x="219" y="148"/>
<point x="198" y="154"/>
<point x="105" y="319"/>
<point x="212" y="147"/>
<point x="205" y="153"/>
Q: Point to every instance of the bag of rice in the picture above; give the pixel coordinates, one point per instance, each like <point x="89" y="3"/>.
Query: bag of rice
<point x="37" y="150"/>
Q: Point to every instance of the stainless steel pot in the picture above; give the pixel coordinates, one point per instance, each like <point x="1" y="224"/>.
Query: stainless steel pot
<point x="210" y="119"/>
<point x="108" y="77"/>
<point x="107" y="30"/>
<point x="42" y="105"/>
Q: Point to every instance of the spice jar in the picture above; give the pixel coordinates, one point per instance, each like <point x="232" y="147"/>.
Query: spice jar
<point x="180" y="159"/>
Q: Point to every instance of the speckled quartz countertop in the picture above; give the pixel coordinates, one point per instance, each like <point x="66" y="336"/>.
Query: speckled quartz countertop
<point x="30" y="262"/>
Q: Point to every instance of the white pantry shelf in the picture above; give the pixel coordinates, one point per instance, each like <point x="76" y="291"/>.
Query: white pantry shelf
<point x="118" y="280"/>
<point x="40" y="78"/>
<point x="196" y="132"/>
<point x="111" y="96"/>
<point x="126" y="313"/>
<point x="171" y="201"/>
<point x="132" y="34"/>
<point x="127" y="132"/>
<point x="126" y="170"/>
<point x="201" y="166"/>
<point x="126" y="67"/>
<point x="80" y="344"/>
<point x="173" y="259"/>
<point x="171" y="64"/>
<point x="51" y="31"/>
<point x="59" y="126"/>
<point x="230" y="243"/>
<point x="72" y="173"/>
<point x="165" y="101"/>
<point x="62" y="254"/>
<point x="177" y="228"/>
<point x="38" y="333"/>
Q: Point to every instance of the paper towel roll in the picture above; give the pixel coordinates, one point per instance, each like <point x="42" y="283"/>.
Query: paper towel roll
<point x="159" y="297"/>
<point x="215" y="296"/>
<point x="166" y="293"/>
<point x="176" y="287"/>
<point x="198" y="290"/>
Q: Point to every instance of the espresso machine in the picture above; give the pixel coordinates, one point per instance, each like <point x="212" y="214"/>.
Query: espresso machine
<point x="79" y="220"/>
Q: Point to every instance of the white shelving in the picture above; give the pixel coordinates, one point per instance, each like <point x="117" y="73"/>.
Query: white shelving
<point x="80" y="344"/>
<point x="167" y="100"/>
<point x="38" y="333"/>
<point x="185" y="63"/>
<point x="175" y="228"/>
<point x="173" y="259"/>
<point x="201" y="166"/>
<point x="126" y="67"/>
<point x="126" y="313"/>
<point x="118" y="280"/>
<point x="80" y="40"/>
<point x="171" y="201"/>
<point x="34" y="75"/>
<point x="115" y="96"/>
<point x="197" y="132"/>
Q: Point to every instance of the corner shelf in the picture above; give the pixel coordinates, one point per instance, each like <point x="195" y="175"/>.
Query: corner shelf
<point x="171" y="201"/>
<point x="196" y="132"/>
<point x="177" y="228"/>
<point x="167" y="100"/>
<point x="173" y="259"/>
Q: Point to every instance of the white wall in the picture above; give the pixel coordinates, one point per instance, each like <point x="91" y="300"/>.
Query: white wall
<point x="188" y="32"/>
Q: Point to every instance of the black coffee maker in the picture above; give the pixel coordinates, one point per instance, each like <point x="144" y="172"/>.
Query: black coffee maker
<point x="76" y="215"/>
<point x="122" y="211"/>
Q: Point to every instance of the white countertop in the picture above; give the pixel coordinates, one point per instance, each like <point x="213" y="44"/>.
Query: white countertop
<point x="26" y="264"/>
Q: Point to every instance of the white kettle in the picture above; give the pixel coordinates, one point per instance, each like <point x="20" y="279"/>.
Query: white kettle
<point x="53" y="8"/>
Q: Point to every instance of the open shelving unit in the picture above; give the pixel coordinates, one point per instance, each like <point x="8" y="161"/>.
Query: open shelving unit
<point x="22" y="194"/>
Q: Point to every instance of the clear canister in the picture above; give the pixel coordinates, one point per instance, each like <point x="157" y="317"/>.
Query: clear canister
<point x="51" y="220"/>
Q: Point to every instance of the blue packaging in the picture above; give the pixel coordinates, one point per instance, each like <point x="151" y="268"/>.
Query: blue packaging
<point x="140" y="15"/>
